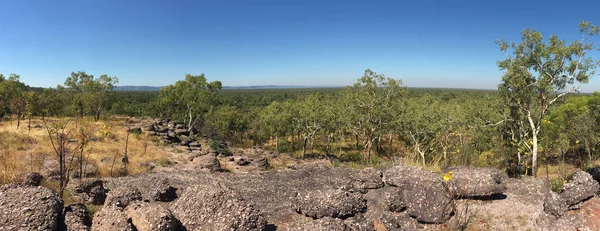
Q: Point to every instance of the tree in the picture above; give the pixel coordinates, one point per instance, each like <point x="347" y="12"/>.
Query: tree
<point x="190" y="99"/>
<point x="538" y="73"/>
<point x="12" y="96"/>
<point x="275" y="120"/>
<point x="89" y="93"/>
<point x="372" y="97"/>
<point x="421" y="123"/>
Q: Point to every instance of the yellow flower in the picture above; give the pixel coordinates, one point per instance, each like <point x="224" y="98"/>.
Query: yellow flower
<point x="448" y="176"/>
<point x="457" y="150"/>
<point x="577" y="141"/>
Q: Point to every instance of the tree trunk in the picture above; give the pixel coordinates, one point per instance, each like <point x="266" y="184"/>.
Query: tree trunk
<point x="304" y="147"/>
<point x="29" y="125"/>
<point x="534" y="148"/>
<point x="422" y="153"/>
<point x="277" y="143"/>
<point x="18" y="119"/>
<point x="356" y="136"/>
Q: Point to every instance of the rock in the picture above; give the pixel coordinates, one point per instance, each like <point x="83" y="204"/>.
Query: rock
<point x="195" y="144"/>
<point x="149" y="128"/>
<point x="363" y="181"/>
<point x="324" y="224"/>
<point x="76" y="219"/>
<point x="216" y="207"/>
<point x="29" y="208"/>
<point x="208" y="162"/>
<point x="136" y="130"/>
<point x="394" y="200"/>
<point x="121" y="197"/>
<point x="148" y="216"/>
<point x="330" y="203"/>
<point x="476" y="182"/>
<point x="423" y="193"/>
<point x="263" y="163"/>
<point x="179" y="126"/>
<point x="92" y="192"/>
<point x="182" y="132"/>
<point x="89" y="169"/>
<point x="165" y="192"/>
<point x="112" y="218"/>
<point x="581" y="187"/>
<point x="555" y="205"/>
<point x="162" y="130"/>
<point x="33" y="179"/>
<point x="242" y="162"/>
<point x="359" y="223"/>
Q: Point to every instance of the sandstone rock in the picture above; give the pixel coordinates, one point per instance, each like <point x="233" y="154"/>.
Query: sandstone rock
<point x="149" y="128"/>
<point x="91" y="191"/>
<point x="554" y="204"/>
<point x="242" y="162"/>
<point x="148" y="216"/>
<point x="263" y="163"/>
<point x="195" y="144"/>
<point x="581" y="187"/>
<point x="216" y="207"/>
<point x="165" y="192"/>
<point x="476" y="182"/>
<point x="363" y="181"/>
<point x="112" y="218"/>
<point x="330" y="203"/>
<point x="75" y="217"/>
<point x="33" y="179"/>
<point x="182" y="132"/>
<point x="324" y="224"/>
<point x="121" y="197"/>
<point x="29" y="208"/>
<point x="208" y="162"/>
<point x="423" y="193"/>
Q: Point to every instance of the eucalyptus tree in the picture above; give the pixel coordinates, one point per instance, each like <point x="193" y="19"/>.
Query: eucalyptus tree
<point x="227" y="120"/>
<point x="372" y="98"/>
<point x="89" y="93"/>
<point x="538" y="73"/>
<point x="276" y="120"/>
<point x="421" y="123"/>
<point x="190" y="99"/>
<point x="12" y="98"/>
<point x="312" y="118"/>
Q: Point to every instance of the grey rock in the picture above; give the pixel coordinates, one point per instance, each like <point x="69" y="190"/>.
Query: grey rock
<point x="330" y="203"/>
<point x="581" y="187"/>
<point x="242" y="162"/>
<point x="263" y="163"/>
<point x="112" y="218"/>
<point x="33" y="179"/>
<point x="76" y="219"/>
<point x="148" y="216"/>
<point x="323" y="224"/>
<point x="554" y="204"/>
<point x="165" y="192"/>
<point x="122" y="196"/>
<point x="182" y="132"/>
<point x="90" y="191"/>
<point x="149" y="128"/>
<point x="29" y="208"/>
<point x="209" y="162"/>
<point x="476" y="182"/>
<point x="195" y="144"/>
<point x="216" y="207"/>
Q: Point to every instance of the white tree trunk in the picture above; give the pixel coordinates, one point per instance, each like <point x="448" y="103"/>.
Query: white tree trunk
<point x="534" y="146"/>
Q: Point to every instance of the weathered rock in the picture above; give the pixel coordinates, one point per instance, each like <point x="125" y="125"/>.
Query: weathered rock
<point x="216" y="207"/>
<point x="242" y="162"/>
<point x="263" y="163"/>
<point x="179" y="126"/>
<point x="581" y="187"/>
<point x="423" y="193"/>
<point x="162" y="130"/>
<point x="112" y="218"/>
<point x="29" y="208"/>
<point x="148" y="216"/>
<point x="208" y="162"/>
<point x="165" y="192"/>
<point x="195" y="144"/>
<point x="76" y="219"/>
<point x="91" y="191"/>
<point x="182" y="132"/>
<point x="394" y="199"/>
<point x="33" y="179"/>
<point x="324" y="224"/>
<point x="330" y="203"/>
<point x="476" y="182"/>
<point x="363" y="181"/>
<point x="149" y="128"/>
<point x="121" y="197"/>
<point x="554" y="204"/>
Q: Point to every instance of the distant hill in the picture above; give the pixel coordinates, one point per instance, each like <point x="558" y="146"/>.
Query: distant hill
<point x="137" y="88"/>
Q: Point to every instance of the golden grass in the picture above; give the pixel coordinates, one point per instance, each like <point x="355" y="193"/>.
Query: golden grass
<point x="23" y="151"/>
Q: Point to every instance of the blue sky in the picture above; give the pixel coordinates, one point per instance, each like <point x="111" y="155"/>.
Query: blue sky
<point x="155" y="42"/>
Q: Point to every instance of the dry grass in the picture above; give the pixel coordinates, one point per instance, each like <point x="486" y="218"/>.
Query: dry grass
<point x="23" y="151"/>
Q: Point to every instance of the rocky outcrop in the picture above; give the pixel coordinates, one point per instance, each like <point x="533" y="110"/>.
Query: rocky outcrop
<point x="29" y="208"/>
<point x="581" y="187"/>
<point x="112" y="218"/>
<point x="33" y="179"/>
<point x="422" y="192"/>
<point x="330" y="203"/>
<point x="216" y="207"/>
<point x="475" y="182"/>
<point x="90" y="191"/>
<point x="149" y="216"/>
<point x="75" y="218"/>
<point x="121" y="197"/>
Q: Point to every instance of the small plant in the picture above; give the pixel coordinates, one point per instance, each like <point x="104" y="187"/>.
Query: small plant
<point x="557" y="184"/>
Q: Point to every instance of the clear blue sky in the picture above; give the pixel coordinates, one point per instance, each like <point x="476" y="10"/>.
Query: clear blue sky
<point x="425" y="43"/>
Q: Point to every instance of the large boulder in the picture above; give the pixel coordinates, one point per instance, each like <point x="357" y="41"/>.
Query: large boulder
<point x="323" y="224"/>
<point x="148" y="216"/>
<point x="122" y="196"/>
<point x="422" y="192"/>
<point x="555" y="205"/>
<point x="581" y="187"/>
<point x="476" y="182"/>
<point x="363" y="180"/>
<point x="216" y="207"/>
<point x="90" y="191"/>
<point x="112" y="218"/>
<point x="209" y="162"/>
<point x="165" y="192"/>
<point x="29" y="208"/>
<point x="330" y="203"/>
<point x="75" y="217"/>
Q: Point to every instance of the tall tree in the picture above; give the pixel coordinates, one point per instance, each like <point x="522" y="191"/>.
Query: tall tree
<point x="538" y="73"/>
<point x="89" y="93"/>
<point x="190" y="99"/>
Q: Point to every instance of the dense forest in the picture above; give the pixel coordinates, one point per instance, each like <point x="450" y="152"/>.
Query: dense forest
<point x="534" y="115"/>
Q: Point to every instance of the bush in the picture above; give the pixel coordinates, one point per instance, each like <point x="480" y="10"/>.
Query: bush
<point x="557" y="184"/>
